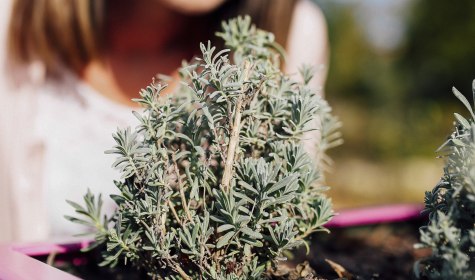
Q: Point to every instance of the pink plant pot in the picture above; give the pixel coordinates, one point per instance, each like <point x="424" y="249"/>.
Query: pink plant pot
<point x="17" y="262"/>
<point x="376" y="215"/>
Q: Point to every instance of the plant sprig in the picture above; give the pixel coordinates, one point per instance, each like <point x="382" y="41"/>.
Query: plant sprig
<point x="451" y="206"/>
<point x="215" y="182"/>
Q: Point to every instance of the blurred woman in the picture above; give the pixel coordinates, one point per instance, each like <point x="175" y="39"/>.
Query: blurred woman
<point x="72" y="68"/>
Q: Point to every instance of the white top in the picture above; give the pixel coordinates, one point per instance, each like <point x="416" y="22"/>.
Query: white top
<point x="64" y="143"/>
<point x="76" y="128"/>
<point x="53" y="136"/>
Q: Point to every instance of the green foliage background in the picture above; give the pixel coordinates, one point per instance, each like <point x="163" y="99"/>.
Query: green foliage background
<point x="396" y="105"/>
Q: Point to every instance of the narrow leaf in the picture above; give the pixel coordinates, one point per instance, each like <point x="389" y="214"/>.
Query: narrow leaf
<point x="223" y="240"/>
<point x="464" y="100"/>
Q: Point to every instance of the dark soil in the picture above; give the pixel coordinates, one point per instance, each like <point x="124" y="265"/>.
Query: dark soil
<point x="85" y="265"/>
<point x="384" y="251"/>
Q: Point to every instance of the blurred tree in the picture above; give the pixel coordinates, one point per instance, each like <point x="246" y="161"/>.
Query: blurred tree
<point x="439" y="53"/>
<point x="393" y="104"/>
<point x="364" y="88"/>
<point x="440" y="49"/>
<point x="396" y="104"/>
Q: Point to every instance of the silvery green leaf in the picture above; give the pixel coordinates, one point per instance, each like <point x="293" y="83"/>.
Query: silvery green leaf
<point x="283" y="199"/>
<point x="181" y="154"/>
<point x="464" y="100"/>
<point x="249" y="232"/>
<point x="282" y="183"/>
<point x="244" y="197"/>
<point x="273" y="220"/>
<point x="225" y="227"/>
<point x="462" y="121"/>
<point x="248" y="187"/>
<point x="209" y="117"/>
<point x="458" y="142"/>
<point x="223" y="240"/>
<point x="252" y="242"/>
<point x="243" y="219"/>
<point x="184" y="137"/>
<point x="200" y="150"/>
<point x="76" y="220"/>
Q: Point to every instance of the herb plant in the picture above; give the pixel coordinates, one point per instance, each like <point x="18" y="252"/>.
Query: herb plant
<point x="215" y="181"/>
<point x="451" y="207"/>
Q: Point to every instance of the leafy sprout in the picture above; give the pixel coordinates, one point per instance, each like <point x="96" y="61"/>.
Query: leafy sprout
<point x="215" y="181"/>
<point x="451" y="206"/>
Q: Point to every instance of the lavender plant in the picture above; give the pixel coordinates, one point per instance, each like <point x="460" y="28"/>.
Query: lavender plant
<point x="451" y="207"/>
<point x="215" y="181"/>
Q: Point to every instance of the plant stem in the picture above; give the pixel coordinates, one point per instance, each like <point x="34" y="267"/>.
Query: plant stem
<point x="170" y="204"/>
<point x="182" y="273"/>
<point x="182" y="192"/>
<point x="234" y="137"/>
<point x="51" y="257"/>
<point x="233" y="143"/>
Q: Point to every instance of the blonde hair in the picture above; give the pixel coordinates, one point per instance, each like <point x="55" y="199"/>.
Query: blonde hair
<point x="55" y="32"/>
<point x="68" y="33"/>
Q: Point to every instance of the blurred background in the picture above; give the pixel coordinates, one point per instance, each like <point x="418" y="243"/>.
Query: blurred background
<point x="392" y="66"/>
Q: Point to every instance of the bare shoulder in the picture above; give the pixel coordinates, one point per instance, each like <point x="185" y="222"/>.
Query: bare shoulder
<point x="308" y="39"/>
<point x="308" y="15"/>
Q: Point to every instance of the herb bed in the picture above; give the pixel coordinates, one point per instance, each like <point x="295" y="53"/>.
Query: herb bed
<point x="361" y="241"/>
